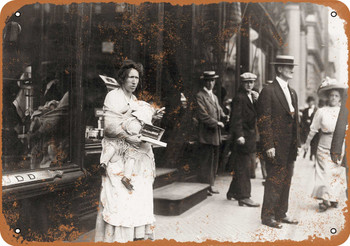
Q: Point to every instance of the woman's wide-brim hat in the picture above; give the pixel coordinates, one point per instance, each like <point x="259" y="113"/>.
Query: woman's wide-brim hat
<point x="330" y="84"/>
<point x="284" y="60"/>
<point x="209" y="75"/>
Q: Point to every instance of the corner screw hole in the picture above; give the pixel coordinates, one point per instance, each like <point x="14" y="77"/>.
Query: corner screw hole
<point x="333" y="231"/>
<point x="334" y="14"/>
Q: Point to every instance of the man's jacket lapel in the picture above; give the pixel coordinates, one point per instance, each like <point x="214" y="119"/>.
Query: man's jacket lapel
<point x="280" y="95"/>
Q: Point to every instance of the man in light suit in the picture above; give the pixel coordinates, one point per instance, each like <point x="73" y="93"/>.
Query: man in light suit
<point x="209" y="114"/>
<point x="279" y="134"/>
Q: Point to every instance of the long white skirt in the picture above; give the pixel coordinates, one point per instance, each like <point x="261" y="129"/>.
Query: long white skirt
<point x="126" y="215"/>
<point x="105" y="232"/>
<point x="330" y="178"/>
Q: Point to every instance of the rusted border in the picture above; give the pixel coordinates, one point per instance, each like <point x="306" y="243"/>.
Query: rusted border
<point x="343" y="12"/>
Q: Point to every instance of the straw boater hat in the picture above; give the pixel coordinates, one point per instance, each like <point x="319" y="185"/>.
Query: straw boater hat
<point x="209" y="75"/>
<point x="284" y="60"/>
<point x="329" y="84"/>
<point x="248" y="77"/>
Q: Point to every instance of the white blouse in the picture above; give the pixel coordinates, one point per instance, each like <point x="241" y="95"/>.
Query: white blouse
<point x="324" y="121"/>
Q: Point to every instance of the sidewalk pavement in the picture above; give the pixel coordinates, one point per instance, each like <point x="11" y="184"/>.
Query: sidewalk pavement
<point x="217" y="218"/>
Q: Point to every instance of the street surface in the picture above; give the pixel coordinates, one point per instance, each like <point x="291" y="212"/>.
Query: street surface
<point x="222" y="220"/>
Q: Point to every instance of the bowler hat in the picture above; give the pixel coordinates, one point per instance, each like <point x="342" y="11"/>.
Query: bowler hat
<point x="209" y="75"/>
<point x="284" y="60"/>
<point x="248" y="77"/>
<point x="330" y="84"/>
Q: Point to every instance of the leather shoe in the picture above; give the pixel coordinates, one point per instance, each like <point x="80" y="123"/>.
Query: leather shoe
<point x="213" y="191"/>
<point x="248" y="202"/>
<point x="323" y="206"/>
<point x="334" y="204"/>
<point x="229" y="196"/>
<point x="126" y="183"/>
<point x="288" y="221"/>
<point x="271" y="223"/>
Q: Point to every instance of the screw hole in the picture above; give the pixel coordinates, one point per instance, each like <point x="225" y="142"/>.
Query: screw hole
<point x="17" y="230"/>
<point x="18" y="14"/>
<point x="333" y="231"/>
<point x="334" y="14"/>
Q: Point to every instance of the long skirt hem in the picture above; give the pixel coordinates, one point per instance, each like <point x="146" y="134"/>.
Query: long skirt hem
<point x="105" y="232"/>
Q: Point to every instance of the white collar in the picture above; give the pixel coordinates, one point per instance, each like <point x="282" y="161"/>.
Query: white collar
<point x="210" y="92"/>
<point x="282" y="82"/>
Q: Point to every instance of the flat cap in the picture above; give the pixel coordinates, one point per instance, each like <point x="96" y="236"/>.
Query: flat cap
<point x="248" y="76"/>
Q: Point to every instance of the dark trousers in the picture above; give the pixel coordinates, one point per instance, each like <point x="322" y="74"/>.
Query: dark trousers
<point x="240" y="186"/>
<point x="263" y="168"/>
<point x="277" y="186"/>
<point x="252" y="166"/>
<point x="208" y="163"/>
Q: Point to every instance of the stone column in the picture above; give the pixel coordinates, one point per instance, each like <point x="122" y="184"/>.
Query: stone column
<point x="292" y="46"/>
<point x="302" y="95"/>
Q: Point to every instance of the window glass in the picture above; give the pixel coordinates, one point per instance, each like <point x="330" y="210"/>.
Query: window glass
<point x="37" y="75"/>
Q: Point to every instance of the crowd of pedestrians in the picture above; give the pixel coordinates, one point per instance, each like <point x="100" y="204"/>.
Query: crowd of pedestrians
<point x="267" y="126"/>
<point x="283" y="130"/>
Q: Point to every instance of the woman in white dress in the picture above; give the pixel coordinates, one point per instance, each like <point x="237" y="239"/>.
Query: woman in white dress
<point x="125" y="215"/>
<point x="330" y="177"/>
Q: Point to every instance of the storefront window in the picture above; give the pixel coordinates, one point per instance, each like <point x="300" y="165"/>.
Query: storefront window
<point x="36" y="125"/>
<point x="37" y="77"/>
<point x="54" y="57"/>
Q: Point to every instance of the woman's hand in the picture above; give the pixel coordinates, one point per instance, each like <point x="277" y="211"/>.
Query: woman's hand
<point x="158" y="114"/>
<point x="102" y="169"/>
<point x="306" y="147"/>
<point x="134" y="140"/>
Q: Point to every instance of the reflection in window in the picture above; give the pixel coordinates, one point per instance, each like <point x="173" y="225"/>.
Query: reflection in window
<point x="35" y="136"/>
<point x="37" y="76"/>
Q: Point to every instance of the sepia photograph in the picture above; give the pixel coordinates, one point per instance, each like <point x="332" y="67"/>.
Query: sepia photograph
<point x="186" y="123"/>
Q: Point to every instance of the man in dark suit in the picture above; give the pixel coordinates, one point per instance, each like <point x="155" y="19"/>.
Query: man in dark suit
<point x="306" y="118"/>
<point x="339" y="137"/>
<point x="279" y="134"/>
<point x="305" y="123"/>
<point x="209" y="114"/>
<point x="242" y="129"/>
<point x="339" y="132"/>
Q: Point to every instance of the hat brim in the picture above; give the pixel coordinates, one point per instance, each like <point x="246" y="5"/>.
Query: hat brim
<point x="211" y="77"/>
<point x="322" y="91"/>
<point x="283" y="63"/>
